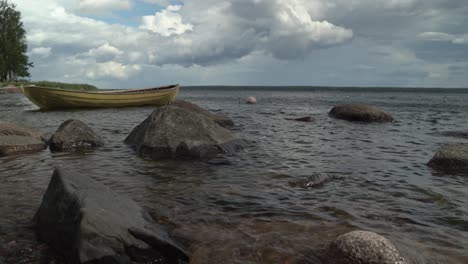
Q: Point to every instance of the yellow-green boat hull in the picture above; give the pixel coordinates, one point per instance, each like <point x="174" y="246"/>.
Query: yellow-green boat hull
<point x="55" y="98"/>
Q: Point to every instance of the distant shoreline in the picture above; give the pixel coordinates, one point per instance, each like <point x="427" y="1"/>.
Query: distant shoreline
<point x="331" y="88"/>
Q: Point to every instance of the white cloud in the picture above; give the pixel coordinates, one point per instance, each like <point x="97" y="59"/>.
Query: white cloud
<point x="104" y="52"/>
<point x="112" y="69"/>
<point x="42" y="52"/>
<point x="461" y="39"/>
<point x="159" y="2"/>
<point x="103" y="5"/>
<point x="166" y="22"/>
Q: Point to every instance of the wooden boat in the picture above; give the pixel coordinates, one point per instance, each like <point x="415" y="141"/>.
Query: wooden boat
<point x="56" y="98"/>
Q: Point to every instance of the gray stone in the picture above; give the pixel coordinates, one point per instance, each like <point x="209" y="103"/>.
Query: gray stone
<point x="221" y="120"/>
<point x="360" y="113"/>
<point x="74" y="135"/>
<point x="451" y="158"/>
<point x="174" y="132"/>
<point x="88" y="223"/>
<point x="363" y="247"/>
<point x="10" y="129"/>
<point x="457" y="134"/>
<point x="10" y="145"/>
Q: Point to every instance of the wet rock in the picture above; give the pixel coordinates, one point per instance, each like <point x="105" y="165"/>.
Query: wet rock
<point x="10" y="129"/>
<point x="88" y="223"/>
<point x="302" y="119"/>
<point x="251" y="100"/>
<point x="174" y="132"/>
<point x="363" y="247"/>
<point x="360" y="112"/>
<point x="313" y="181"/>
<point x="221" y="120"/>
<point x="74" y="135"/>
<point x="457" y="134"/>
<point x="316" y="180"/>
<point x="10" y="145"/>
<point x="451" y="158"/>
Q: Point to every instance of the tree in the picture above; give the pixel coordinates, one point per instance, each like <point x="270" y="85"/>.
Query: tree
<point x="14" y="62"/>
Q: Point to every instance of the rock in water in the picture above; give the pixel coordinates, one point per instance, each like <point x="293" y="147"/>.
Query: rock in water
<point x="458" y="134"/>
<point x="219" y="119"/>
<point x="363" y="247"/>
<point x="173" y="132"/>
<point x="9" y="129"/>
<point x="451" y="158"/>
<point x="88" y="223"/>
<point x="10" y="145"/>
<point x="74" y="135"/>
<point x="251" y="100"/>
<point x="302" y="119"/>
<point x="360" y="112"/>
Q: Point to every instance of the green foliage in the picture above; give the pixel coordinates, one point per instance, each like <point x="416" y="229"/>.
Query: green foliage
<point x="14" y="62"/>
<point x="69" y="86"/>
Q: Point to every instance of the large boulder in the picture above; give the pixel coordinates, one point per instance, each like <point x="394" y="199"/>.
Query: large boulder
<point x="451" y="158"/>
<point x="88" y="223"/>
<point x="74" y="135"/>
<point x="174" y="132"/>
<point x="360" y="112"/>
<point x="363" y="247"/>
<point x="221" y="120"/>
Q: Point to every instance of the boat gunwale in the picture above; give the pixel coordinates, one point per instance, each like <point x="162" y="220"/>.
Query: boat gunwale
<point x="112" y="92"/>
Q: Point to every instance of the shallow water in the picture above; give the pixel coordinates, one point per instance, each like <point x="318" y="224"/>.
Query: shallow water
<point x="256" y="210"/>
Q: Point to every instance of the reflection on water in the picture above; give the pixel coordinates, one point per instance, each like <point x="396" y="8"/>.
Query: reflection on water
<point x="256" y="210"/>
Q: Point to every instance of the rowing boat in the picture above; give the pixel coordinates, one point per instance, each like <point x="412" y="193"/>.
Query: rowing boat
<point x="56" y="98"/>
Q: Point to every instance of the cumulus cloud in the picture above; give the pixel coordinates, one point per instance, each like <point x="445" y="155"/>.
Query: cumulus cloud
<point x="205" y="35"/>
<point x="460" y="39"/>
<point x="166" y="22"/>
<point x="112" y="69"/>
<point x="103" y="5"/>
<point x="226" y="30"/>
<point x="104" y="53"/>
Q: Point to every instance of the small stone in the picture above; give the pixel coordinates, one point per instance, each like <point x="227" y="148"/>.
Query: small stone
<point x="302" y="119"/>
<point x="363" y="247"/>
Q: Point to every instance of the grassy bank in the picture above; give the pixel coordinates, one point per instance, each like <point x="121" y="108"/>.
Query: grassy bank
<point x="70" y="86"/>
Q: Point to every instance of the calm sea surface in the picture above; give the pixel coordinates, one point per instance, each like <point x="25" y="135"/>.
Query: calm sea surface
<point x="256" y="210"/>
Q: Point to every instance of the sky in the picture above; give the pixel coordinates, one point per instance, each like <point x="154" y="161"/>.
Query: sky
<point x="143" y="43"/>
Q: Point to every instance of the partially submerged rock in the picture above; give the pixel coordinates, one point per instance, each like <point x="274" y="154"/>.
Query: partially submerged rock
<point x="10" y="129"/>
<point x="88" y="223"/>
<point x="363" y="247"/>
<point x="74" y="135"/>
<point x="10" y="145"/>
<point x="174" y="132"/>
<point x="360" y="112"/>
<point x="302" y="119"/>
<point x="457" y="134"/>
<point x="16" y="139"/>
<point x="451" y="158"/>
<point x="221" y="120"/>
